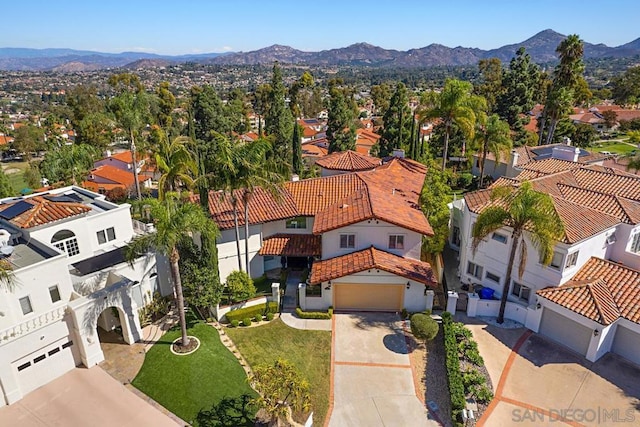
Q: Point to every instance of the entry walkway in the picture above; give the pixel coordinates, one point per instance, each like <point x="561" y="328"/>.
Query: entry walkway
<point x="372" y="381"/>
<point x="289" y="305"/>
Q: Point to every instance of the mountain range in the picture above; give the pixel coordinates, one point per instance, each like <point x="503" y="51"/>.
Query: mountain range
<point x="541" y="47"/>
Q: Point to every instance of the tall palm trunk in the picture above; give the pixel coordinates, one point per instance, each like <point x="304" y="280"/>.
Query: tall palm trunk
<point x="234" y="202"/>
<point x="177" y="285"/>
<point x="541" y="125"/>
<point x="552" y="130"/>
<point x="135" y="166"/>
<point x="246" y="199"/>
<point x="446" y="147"/>
<point x="515" y="239"/>
<point x="485" y="149"/>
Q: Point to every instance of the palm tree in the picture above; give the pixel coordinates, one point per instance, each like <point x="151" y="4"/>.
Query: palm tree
<point x="175" y="222"/>
<point x="493" y="136"/>
<point x="254" y="169"/>
<point x="455" y="104"/>
<point x="7" y="278"/>
<point x="176" y="163"/>
<point x="521" y="209"/>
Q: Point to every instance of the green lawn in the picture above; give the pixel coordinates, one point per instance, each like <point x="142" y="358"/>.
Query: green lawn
<point x="15" y="171"/>
<point x="308" y="351"/>
<point x="616" y="148"/>
<point x="205" y="388"/>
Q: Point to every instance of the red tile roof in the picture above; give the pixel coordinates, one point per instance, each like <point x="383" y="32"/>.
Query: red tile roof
<point x="367" y="259"/>
<point x="263" y="207"/>
<point x="113" y="174"/>
<point x="348" y="161"/>
<point x="313" y="195"/>
<point x="45" y="211"/>
<point x="291" y="245"/>
<point x="601" y="291"/>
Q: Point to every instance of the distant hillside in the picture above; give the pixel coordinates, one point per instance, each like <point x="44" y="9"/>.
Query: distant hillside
<point x="541" y="47"/>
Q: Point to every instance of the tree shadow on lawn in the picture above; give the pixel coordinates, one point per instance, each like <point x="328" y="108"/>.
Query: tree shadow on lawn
<point x="229" y="412"/>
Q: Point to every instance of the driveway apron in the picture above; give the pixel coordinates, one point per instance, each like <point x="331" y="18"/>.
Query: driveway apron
<point x="372" y="378"/>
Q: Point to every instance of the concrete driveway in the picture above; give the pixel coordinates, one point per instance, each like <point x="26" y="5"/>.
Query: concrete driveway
<point x="538" y="382"/>
<point x="372" y="377"/>
<point x="83" y="397"/>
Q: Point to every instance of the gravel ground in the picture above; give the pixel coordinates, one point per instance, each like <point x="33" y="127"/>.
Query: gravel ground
<point x="429" y="363"/>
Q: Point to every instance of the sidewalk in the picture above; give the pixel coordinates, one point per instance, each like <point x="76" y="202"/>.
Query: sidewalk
<point x="289" y="304"/>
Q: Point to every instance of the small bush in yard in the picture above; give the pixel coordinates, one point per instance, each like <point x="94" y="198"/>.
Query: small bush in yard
<point x="454" y="376"/>
<point x="404" y="314"/>
<point x="269" y="317"/>
<point x="472" y="377"/>
<point x="424" y="327"/>
<point x="235" y="323"/>
<point x="246" y="322"/>
<point x="314" y="314"/>
<point x="482" y="393"/>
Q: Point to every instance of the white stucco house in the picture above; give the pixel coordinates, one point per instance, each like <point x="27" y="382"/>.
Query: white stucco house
<point x="360" y="234"/>
<point x="588" y="298"/>
<point x="65" y="249"/>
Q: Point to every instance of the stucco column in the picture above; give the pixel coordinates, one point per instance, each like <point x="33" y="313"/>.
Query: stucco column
<point x="472" y="304"/>
<point x="452" y="301"/>
<point x="302" y="296"/>
<point x="275" y="293"/>
<point x="428" y="297"/>
<point x="10" y="385"/>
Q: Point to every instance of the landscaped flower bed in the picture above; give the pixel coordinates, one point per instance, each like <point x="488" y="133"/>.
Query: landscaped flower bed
<point x="467" y="377"/>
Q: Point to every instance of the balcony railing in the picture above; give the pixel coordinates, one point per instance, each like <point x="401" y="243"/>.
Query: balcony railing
<point x="31" y="325"/>
<point x="140" y="227"/>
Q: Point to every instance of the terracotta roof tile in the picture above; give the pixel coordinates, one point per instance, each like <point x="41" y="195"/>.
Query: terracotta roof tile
<point x="45" y="211"/>
<point x="313" y="195"/>
<point x="113" y="174"/>
<point x="371" y="258"/>
<point x="549" y="166"/>
<point x="348" y="161"/>
<point x="613" y="291"/>
<point x="292" y="245"/>
<point x="263" y="207"/>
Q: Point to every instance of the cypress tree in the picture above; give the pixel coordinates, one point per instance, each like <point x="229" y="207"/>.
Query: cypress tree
<point x="296" y="144"/>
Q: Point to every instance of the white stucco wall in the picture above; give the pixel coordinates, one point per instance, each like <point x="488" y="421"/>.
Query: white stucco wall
<point x="274" y="227"/>
<point x="371" y="233"/>
<point x="228" y="254"/>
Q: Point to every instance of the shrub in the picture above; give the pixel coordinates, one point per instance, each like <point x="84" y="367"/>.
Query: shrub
<point x="314" y="314"/>
<point x="254" y="311"/>
<point x="423" y="327"/>
<point x="246" y="321"/>
<point x="464" y="180"/>
<point x="235" y="323"/>
<point x="269" y="317"/>
<point x="404" y="313"/>
<point x="240" y="286"/>
<point x="472" y="378"/>
<point x="482" y="393"/>
<point x="454" y="376"/>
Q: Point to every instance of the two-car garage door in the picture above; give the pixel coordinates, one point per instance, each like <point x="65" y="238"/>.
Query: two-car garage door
<point x="368" y="297"/>
<point x="565" y="331"/>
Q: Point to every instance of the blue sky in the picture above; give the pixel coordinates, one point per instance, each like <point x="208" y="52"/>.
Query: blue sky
<point x="197" y="26"/>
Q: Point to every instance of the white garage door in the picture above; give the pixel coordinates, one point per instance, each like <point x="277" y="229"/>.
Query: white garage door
<point x="45" y="365"/>
<point x="368" y="297"/>
<point x="565" y="331"/>
<point x="627" y="344"/>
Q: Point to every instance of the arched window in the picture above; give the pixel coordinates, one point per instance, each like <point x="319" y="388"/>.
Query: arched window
<point x="66" y="241"/>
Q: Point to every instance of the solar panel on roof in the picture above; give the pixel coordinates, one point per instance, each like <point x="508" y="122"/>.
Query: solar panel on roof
<point x="16" y="209"/>
<point x="66" y="198"/>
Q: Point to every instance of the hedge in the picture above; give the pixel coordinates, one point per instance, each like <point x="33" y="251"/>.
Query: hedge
<point x="454" y="376"/>
<point x="252" y="312"/>
<point x="314" y="314"/>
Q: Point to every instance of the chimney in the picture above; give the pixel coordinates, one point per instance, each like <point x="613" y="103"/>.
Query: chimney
<point x="295" y="177"/>
<point x="108" y="153"/>
<point x="398" y="152"/>
<point x="514" y="158"/>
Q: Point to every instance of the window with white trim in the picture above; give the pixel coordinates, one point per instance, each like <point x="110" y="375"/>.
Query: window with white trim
<point x="25" y="304"/>
<point x="499" y="238"/>
<point x="106" y="235"/>
<point x="396" y="241"/>
<point x="54" y="293"/>
<point x="492" y="277"/>
<point x="522" y="292"/>
<point x="297" y="222"/>
<point x="474" y="270"/>
<point x="572" y="259"/>
<point x="635" y="243"/>
<point x="556" y="260"/>
<point x="347" y="241"/>
<point x="66" y="241"/>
